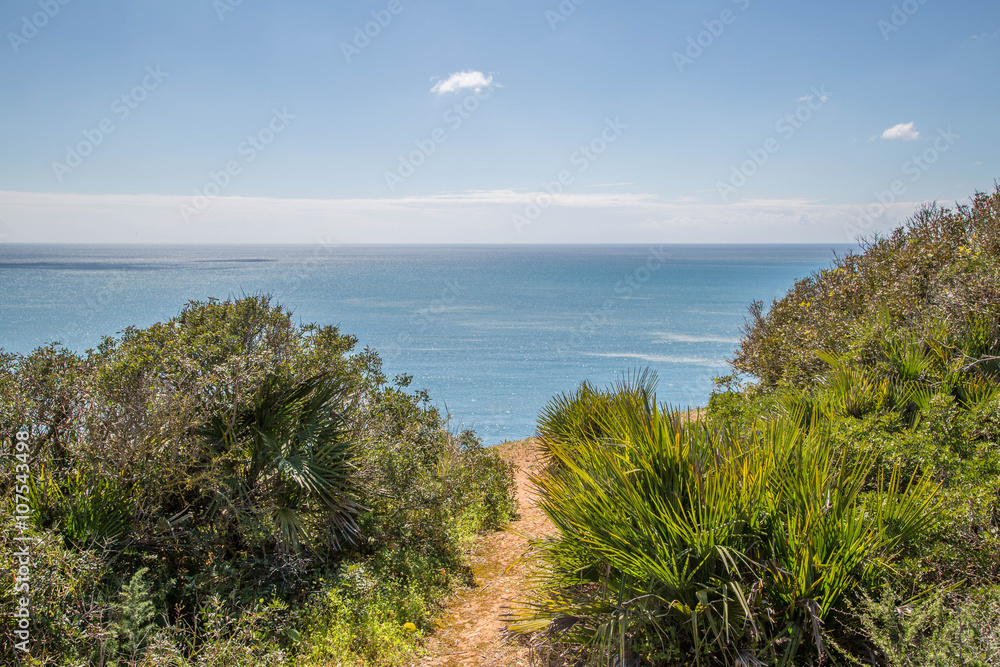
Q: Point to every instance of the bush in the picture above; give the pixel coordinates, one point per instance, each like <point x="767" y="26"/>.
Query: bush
<point x="929" y="275"/>
<point x="197" y="482"/>
<point x="678" y="542"/>
<point x="942" y="631"/>
<point x="895" y="352"/>
<point x="839" y="502"/>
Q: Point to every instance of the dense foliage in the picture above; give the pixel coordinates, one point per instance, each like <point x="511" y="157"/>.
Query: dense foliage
<point x="930" y="275"/>
<point x="680" y="542"/>
<point x="844" y="508"/>
<point x="228" y="488"/>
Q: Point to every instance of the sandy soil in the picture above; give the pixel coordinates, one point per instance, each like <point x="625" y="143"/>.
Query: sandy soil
<point x="471" y="630"/>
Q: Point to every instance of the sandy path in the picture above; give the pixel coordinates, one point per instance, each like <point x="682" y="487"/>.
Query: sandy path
<point x="471" y="631"/>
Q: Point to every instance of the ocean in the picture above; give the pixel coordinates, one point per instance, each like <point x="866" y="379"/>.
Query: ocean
<point x="492" y="332"/>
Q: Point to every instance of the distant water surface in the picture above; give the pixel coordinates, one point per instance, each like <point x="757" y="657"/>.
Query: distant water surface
<point x="491" y="331"/>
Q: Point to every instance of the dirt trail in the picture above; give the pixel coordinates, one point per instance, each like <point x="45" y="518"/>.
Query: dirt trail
<point x="471" y="631"/>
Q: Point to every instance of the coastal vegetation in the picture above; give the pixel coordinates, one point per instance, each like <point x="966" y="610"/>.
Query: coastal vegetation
<point x="227" y="488"/>
<point x="839" y="503"/>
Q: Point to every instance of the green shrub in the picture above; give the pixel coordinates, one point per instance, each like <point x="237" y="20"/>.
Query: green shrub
<point x="894" y="352"/>
<point x="227" y="467"/>
<point x="942" y="631"/>
<point x="134" y="623"/>
<point x="86" y="508"/>
<point x="681" y="542"/>
<point x="925" y="277"/>
<point x="287" y="459"/>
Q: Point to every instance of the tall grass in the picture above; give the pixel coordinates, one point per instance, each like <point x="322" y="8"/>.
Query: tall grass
<point x="680" y="543"/>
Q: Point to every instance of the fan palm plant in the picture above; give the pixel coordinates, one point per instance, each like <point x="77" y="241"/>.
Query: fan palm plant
<point x="88" y="508"/>
<point x="676" y="539"/>
<point x="287" y="459"/>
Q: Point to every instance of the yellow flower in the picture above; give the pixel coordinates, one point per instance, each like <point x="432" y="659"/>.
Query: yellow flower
<point x="409" y="628"/>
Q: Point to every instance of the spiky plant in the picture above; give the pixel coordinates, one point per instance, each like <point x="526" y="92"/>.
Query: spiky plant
<point x="87" y="508"/>
<point x="286" y="459"/>
<point x="679" y="543"/>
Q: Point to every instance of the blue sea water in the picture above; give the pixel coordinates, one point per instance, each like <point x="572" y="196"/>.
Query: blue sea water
<point x="491" y="331"/>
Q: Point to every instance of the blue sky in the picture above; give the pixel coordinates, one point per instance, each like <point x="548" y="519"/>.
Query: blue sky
<point x="671" y="123"/>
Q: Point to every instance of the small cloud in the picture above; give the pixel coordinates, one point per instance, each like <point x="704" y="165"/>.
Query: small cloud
<point x="806" y="98"/>
<point x="462" y="81"/>
<point x="902" y="132"/>
<point x="977" y="164"/>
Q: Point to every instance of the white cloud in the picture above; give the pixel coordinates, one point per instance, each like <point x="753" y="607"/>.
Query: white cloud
<point x="902" y="132"/>
<point x="462" y="81"/>
<point x="467" y="217"/>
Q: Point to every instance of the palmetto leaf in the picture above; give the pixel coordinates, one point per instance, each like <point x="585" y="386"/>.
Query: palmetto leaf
<point x="288" y="451"/>
<point x="723" y="538"/>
